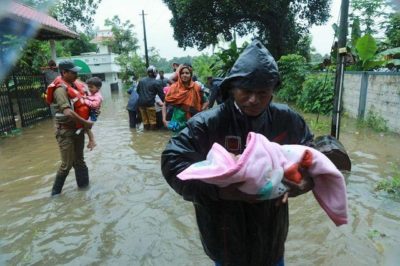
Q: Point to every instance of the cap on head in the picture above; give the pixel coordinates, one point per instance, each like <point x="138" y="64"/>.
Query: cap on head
<point x="68" y="65"/>
<point x="152" y="69"/>
<point x="254" y="69"/>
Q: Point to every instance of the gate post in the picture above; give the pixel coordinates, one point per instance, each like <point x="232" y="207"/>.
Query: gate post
<point x="363" y="95"/>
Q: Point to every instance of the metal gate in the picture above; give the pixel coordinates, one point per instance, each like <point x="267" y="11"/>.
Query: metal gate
<point x="25" y="90"/>
<point x="29" y="89"/>
<point x="7" y="120"/>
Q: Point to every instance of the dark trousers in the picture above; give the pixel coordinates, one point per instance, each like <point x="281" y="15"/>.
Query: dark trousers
<point x="160" y="123"/>
<point x="71" y="147"/>
<point x="132" y="119"/>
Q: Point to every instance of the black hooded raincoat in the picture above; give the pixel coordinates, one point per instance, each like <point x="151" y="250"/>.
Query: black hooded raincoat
<point x="235" y="232"/>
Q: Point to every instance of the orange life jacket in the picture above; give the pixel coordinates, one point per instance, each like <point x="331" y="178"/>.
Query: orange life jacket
<point x="74" y="94"/>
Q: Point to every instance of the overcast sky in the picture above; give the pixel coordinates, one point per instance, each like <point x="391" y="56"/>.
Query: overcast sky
<point x="159" y="32"/>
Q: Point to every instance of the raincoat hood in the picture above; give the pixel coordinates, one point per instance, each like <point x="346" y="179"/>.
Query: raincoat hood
<point x="254" y="69"/>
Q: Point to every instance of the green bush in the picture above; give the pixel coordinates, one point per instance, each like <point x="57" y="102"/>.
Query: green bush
<point x="392" y="184"/>
<point x="293" y="69"/>
<point x="375" y="121"/>
<point x="317" y="94"/>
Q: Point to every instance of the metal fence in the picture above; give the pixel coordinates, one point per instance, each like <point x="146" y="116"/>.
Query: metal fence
<point x="29" y="89"/>
<point x="24" y="89"/>
<point x="7" y="120"/>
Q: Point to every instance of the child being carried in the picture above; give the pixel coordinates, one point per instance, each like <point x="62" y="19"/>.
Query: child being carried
<point x="93" y="100"/>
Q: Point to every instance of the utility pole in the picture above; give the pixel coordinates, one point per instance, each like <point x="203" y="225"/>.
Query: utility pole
<point x="145" y="40"/>
<point x="342" y="50"/>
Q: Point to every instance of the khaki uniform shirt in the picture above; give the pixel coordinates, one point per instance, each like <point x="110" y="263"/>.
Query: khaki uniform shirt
<point x="61" y="102"/>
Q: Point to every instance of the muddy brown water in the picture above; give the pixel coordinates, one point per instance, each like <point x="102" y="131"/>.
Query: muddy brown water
<point x="130" y="216"/>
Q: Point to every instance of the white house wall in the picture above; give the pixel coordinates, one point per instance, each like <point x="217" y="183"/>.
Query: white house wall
<point x="101" y="64"/>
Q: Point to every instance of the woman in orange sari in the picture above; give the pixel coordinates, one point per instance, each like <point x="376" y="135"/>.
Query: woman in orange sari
<point x="186" y="97"/>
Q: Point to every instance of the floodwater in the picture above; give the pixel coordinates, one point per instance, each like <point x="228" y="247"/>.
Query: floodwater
<point x="130" y="216"/>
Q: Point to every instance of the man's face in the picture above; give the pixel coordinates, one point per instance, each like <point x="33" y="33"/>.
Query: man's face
<point x="253" y="102"/>
<point x="70" y="76"/>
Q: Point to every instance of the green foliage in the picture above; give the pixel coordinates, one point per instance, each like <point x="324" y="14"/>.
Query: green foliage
<point x="226" y="58"/>
<point x="376" y="121"/>
<point x="201" y="66"/>
<point x="392" y="184"/>
<point x="278" y="24"/>
<point x="34" y="56"/>
<point x="182" y="60"/>
<point x="317" y="94"/>
<point x="131" y="66"/>
<point x="373" y="233"/>
<point x="303" y="47"/>
<point x="12" y="133"/>
<point x="366" y="52"/>
<point x="156" y="60"/>
<point x="391" y="57"/>
<point x="366" y="47"/>
<point x="369" y="13"/>
<point x="293" y="70"/>
<point x="72" y="13"/>
<point x="124" y="43"/>
<point x="79" y="46"/>
<point x="355" y="32"/>
<point x="393" y="30"/>
<point x="318" y="126"/>
<point x="123" y="39"/>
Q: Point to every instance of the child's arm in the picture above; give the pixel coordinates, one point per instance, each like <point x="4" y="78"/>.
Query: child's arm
<point x="93" y="101"/>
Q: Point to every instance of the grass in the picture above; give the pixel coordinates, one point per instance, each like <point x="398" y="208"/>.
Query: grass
<point x="376" y="121"/>
<point x="391" y="185"/>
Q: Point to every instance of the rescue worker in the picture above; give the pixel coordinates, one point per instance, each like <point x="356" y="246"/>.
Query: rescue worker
<point x="238" y="228"/>
<point x="64" y="93"/>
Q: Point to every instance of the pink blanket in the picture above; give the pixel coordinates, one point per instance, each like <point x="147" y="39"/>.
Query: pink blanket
<point x="264" y="164"/>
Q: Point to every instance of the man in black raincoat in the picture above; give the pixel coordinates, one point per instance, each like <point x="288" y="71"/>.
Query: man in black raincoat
<point x="237" y="228"/>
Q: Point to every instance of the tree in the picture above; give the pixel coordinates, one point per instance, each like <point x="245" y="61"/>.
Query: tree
<point x="226" y="58"/>
<point x="34" y="55"/>
<point x="393" y="30"/>
<point x="79" y="46"/>
<point x="355" y="32"/>
<point x="124" y="40"/>
<point x="156" y="60"/>
<point x="201" y="66"/>
<point x="131" y="66"/>
<point x="279" y="24"/>
<point x="370" y="13"/>
<point x="72" y="13"/>
<point x="124" y="43"/>
<point x="303" y="47"/>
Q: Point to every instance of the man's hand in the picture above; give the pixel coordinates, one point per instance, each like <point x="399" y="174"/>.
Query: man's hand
<point x="305" y="185"/>
<point x="232" y="192"/>
<point x="88" y="124"/>
<point x="75" y="117"/>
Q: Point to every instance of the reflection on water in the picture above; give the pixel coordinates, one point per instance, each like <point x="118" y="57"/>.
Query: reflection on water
<point x="130" y="216"/>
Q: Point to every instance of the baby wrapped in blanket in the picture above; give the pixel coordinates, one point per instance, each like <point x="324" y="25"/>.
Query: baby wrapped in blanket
<point x="263" y="165"/>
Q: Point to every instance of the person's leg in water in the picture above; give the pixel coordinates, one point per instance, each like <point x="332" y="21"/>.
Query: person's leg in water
<point x="132" y="119"/>
<point x="152" y="116"/>
<point x="145" y="118"/>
